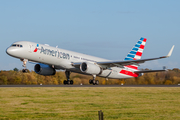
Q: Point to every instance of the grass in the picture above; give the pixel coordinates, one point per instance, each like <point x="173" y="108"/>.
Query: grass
<point x="84" y="103"/>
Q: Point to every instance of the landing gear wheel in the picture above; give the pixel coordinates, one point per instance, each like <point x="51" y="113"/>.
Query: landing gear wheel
<point x="65" y="82"/>
<point x="71" y="82"/>
<point x="94" y="82"/>
<point x="90" y="81"/>
<point x="24" y="70"/>
<point x="68" y="82"/>
<point x="97" y="82"/>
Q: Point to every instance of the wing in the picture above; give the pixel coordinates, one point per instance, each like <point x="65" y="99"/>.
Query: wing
<point x="132" y="62"/>
<point x="121" y="64"/>
<point x="147" y="71"/>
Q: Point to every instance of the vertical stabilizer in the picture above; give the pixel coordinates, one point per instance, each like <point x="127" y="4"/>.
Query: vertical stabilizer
<point x="136" y="52"/>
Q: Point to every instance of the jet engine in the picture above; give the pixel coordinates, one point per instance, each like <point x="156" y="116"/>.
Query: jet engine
<point x="90" y="68"/>
<point x="43" y="69"/>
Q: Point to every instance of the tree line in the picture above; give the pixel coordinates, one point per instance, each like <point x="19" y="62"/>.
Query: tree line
<point x="16" y="77"/>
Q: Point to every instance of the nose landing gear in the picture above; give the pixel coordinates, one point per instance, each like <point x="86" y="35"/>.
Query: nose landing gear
<point x="24" y="65"/>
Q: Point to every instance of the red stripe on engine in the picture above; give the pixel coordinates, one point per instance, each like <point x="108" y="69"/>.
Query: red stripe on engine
<point x="142" y="47"/>
<point x="139" y="53"/>
<point x="129" y="73"/>
<point x="131" y="66"/>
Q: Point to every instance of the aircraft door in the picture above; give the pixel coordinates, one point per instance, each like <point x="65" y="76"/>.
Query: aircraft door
<point x="30" y="48"/>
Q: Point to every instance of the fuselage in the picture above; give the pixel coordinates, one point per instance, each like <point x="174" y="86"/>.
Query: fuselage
<point x="63" y="59"/>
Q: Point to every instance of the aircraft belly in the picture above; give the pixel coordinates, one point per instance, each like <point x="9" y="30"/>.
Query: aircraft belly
<point x="119" y="76"/>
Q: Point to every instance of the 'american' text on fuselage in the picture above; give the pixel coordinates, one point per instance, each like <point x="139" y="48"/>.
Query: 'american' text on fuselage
<point x="55" y="53"/>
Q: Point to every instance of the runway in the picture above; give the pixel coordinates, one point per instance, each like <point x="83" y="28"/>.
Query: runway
<point x="1" y="86"/>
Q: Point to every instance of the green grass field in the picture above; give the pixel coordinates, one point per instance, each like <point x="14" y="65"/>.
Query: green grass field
<point x="84" y="103"/>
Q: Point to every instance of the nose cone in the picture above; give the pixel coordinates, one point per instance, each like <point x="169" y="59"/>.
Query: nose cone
<point x="10" y="51"/>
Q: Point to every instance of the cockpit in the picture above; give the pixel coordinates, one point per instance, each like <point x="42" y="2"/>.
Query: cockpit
<point x="17" y="49"/>
<point x="16" y="45"/>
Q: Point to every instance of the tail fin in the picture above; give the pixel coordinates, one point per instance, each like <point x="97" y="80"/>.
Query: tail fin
<point x="136" y="52"/>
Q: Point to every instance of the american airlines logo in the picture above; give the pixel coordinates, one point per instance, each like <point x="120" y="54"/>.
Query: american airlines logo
<point x="36" y="49"/>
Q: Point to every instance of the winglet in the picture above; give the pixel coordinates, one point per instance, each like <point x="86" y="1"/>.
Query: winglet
<point x="170" y="52"/>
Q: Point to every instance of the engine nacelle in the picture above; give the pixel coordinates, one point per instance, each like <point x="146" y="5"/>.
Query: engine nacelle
<point x="43" y="69"/>
<point x="90" y="68"/>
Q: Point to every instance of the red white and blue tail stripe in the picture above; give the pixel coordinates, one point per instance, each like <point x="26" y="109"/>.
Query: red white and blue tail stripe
<point x="136" y="52"/>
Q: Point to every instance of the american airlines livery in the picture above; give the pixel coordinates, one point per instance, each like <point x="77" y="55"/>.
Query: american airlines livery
<point x="49" y="59"/>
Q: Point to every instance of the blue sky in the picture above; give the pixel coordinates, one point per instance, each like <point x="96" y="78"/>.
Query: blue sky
<point x="103" y="28"/>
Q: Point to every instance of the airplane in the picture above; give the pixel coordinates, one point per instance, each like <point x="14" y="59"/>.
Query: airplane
<point x="49" y="59"/>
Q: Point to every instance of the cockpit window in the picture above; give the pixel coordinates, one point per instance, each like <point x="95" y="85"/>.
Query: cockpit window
<point x="13" y="45"/>
<point x="16" y="45"/>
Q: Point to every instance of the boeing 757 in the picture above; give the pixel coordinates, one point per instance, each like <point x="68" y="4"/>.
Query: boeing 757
<point x="49" y="59"/>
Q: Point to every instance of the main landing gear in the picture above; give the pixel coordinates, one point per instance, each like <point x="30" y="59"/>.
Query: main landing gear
<point x="94" y="82"/>
<point x="68" y="81"/>
<point x="24" y="65"/>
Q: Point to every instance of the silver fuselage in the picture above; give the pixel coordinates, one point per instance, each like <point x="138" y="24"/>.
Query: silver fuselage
<point x="60" y="58"/>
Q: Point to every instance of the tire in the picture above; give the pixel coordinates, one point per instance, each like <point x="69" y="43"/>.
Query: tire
<point x="71" y="82"/>
<point x="68" y="82"/>
<point x="65" y="82"/>
<point x="97" y="82"/>
<point x="94" y="82"/>
<point x="24" y="70"/>
<point x="90" y="81"/>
